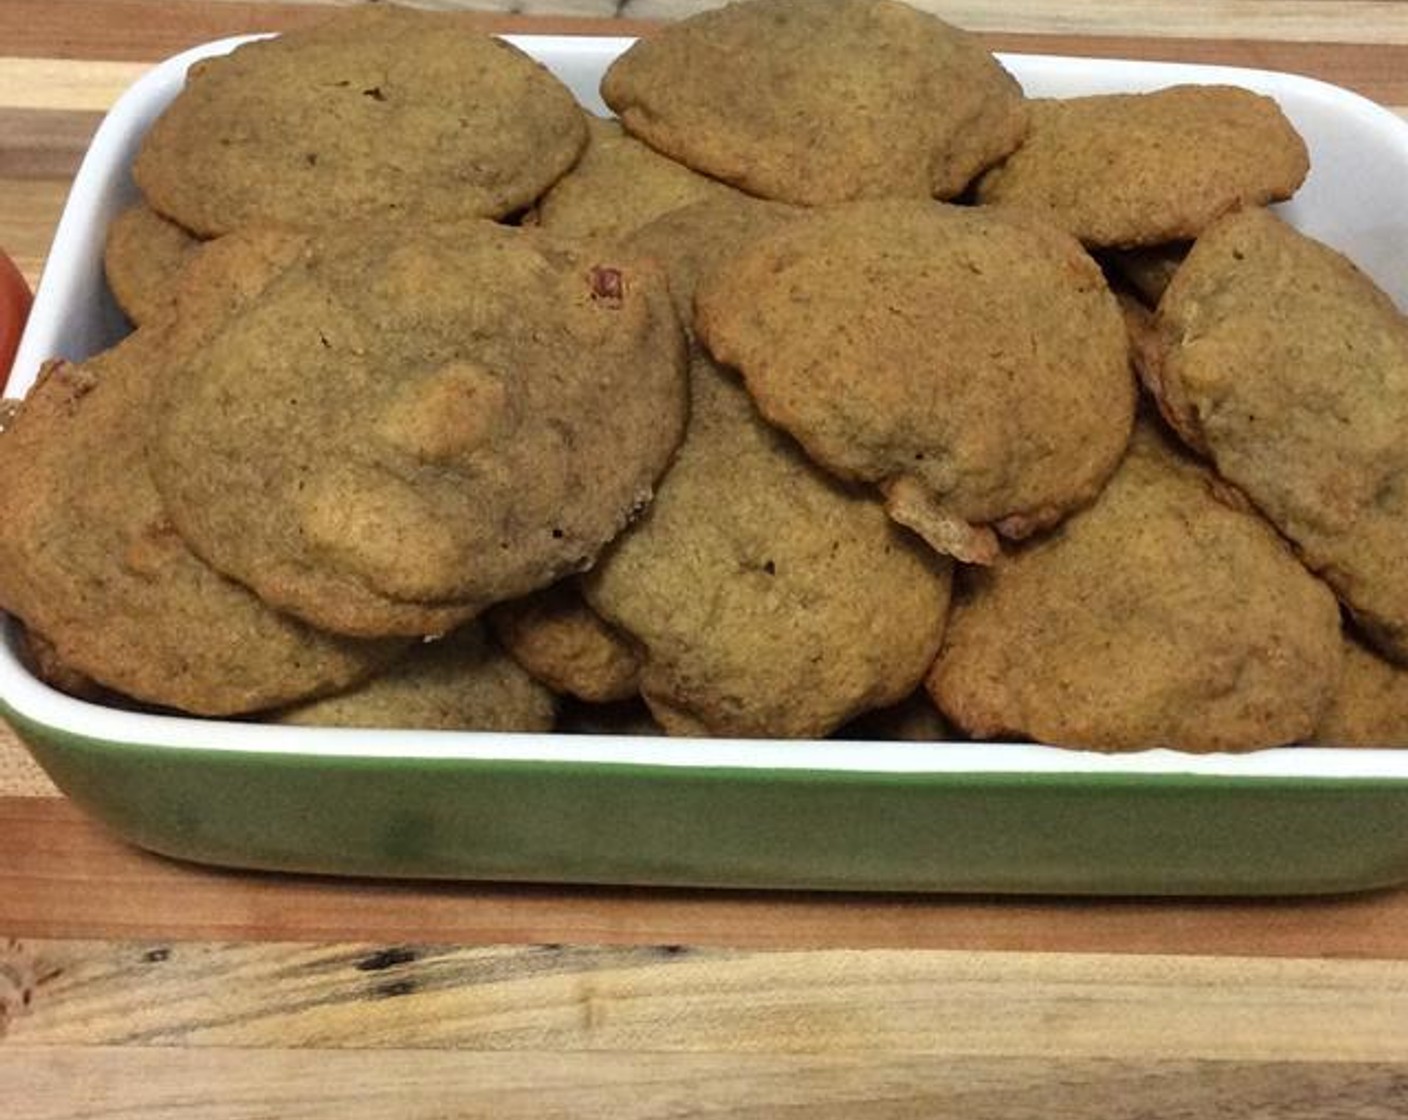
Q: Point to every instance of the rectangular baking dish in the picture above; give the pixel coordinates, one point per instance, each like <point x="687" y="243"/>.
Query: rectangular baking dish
<point x="994" y="817"/>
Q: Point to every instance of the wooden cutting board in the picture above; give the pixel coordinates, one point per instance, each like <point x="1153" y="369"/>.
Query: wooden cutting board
<point x="133" y="985"/>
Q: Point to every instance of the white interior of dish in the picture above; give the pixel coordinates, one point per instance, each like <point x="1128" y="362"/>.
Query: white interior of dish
<point x="1353" y="200"/>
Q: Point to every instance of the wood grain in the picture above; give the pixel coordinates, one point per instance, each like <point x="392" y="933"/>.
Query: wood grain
<point x="28" y="219"/>
<point x="44" y="143"/>
<point x="1363" y="46"/>
<point x="1270" y="20"/>
<point x="359" y="1029"/>
<point x="161" y="1084"/>
<point x="148" y="30"/>
<point x="58" y="85"/>
<point x="573" y="999"/>
<point x="20" y="775"/>
<point x="1354" y="21"/>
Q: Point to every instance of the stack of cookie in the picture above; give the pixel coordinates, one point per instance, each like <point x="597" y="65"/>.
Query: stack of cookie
<point x="804" y="398"/>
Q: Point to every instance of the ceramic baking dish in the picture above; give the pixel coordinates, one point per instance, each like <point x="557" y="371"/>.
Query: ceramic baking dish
<point x="847" y="815"/>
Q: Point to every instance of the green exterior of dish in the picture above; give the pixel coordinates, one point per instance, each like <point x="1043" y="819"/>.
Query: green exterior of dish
<point x="737" y="828"/>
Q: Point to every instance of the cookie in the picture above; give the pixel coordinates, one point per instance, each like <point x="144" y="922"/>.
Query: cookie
<point x="378" y="110"/>
<point x="1369" y="707"/>
<point x="89" y="559"/>
<point x="820" y="101"/>
<point x="229" y="272"/>
<point x="461" y="682"/>
<point x="693" y="240"/>
<point x="564" y="644"/>
<point x="417" y="421"/>
<point x="971" y="364"/>
<point x="746" y="533"/>
<point x="44" y="662"/>
<point x="619" y="185"/>
<point x="1131" y="169"/>
<point x="1138" y="322"/>
<point x="769" y="599"/>
<point x="1159" y="617"/>
<point x="1288" y="367"/>
<point x="142" y="258"/>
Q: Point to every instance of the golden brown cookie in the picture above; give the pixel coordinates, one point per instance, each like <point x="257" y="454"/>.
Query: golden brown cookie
<point x="45" y="663"/>
<point x="770" y="600"/>
<point x="1288" y="367"/>
<point x="565" y="644"/>
<point x="461" y="682"/>
<point x="695" y="239"/>
<point x="89" y="559"/>
<point x="1130" y="169"/>
<point x="416" y="421"/>
<point x="1369" y="708"/>
<point x="226" y="273"/>
<point x="820" y="101"/>
<point x="972" y="364"/>
<point x="619" y="185"/>
<point x="143" y="257"/>
<point x="748" y="532"/>
<point x="1158" y="617"/>
<point x="379" y="110"/>
<point x="1138" y="322"/>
